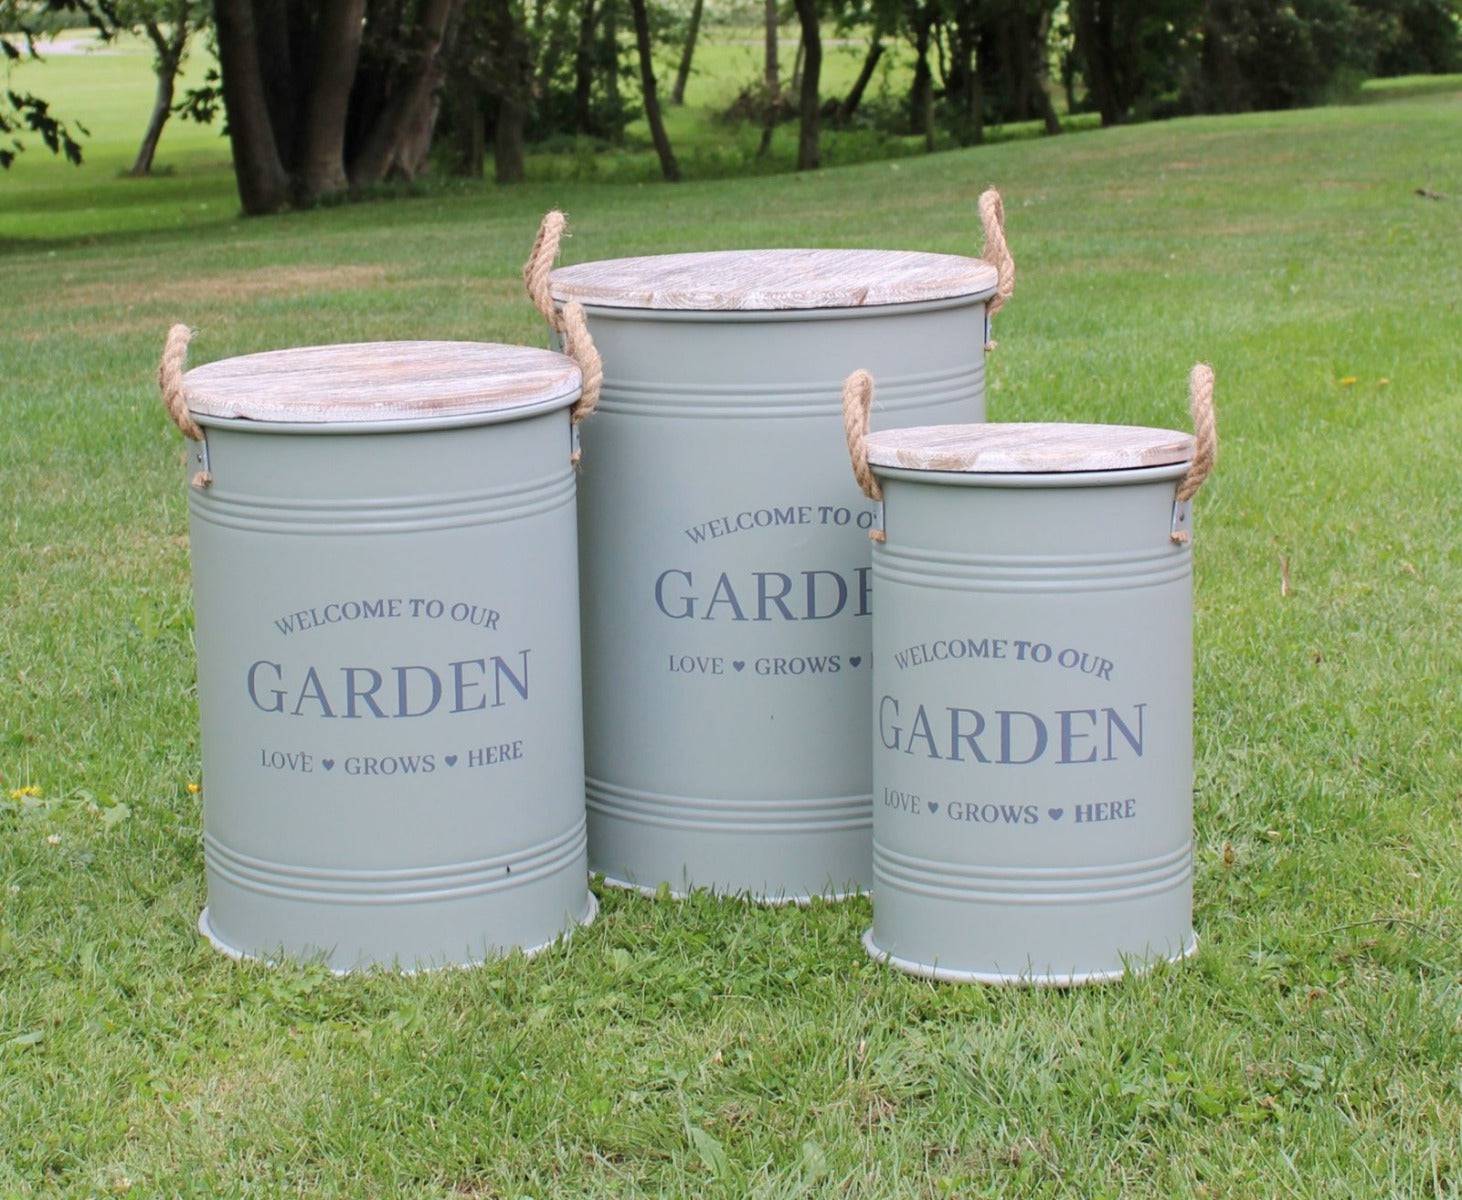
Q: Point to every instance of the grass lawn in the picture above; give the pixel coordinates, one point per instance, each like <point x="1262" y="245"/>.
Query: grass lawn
<point x="710" y="1048"/>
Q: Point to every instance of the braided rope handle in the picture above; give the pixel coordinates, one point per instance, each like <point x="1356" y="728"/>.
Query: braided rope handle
<point x="540" y="265"/>
<point x="997" y="250"/>
<point x="175" y="394"/>
<point x="578" y="343"/>
<point x="1205" y="431"/>
<point x="857" y="401"/>
<point x="1205" y="437"/>
<point x="170" y="381"/>
<point x="571" y="325"/>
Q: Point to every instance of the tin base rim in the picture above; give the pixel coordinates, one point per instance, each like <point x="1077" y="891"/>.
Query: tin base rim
<point x="998" y="979"/>
<point x="802" y="901"/>
<point x="591" y="911"/>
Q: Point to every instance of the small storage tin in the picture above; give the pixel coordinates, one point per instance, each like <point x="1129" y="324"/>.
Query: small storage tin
<point x="1032" y="695"/>
<point x="385" y="579"/>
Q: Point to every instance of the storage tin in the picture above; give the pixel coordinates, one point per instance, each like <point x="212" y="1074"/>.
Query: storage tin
<point x="1032" y="699"/>
<point x="385" y="581"/>
<point x="724" y="552"/>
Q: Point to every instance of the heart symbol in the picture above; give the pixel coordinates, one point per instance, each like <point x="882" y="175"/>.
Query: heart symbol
<point x="451" y="760"/>
<point x="328" y="763"/>
<point x="934" y="806"/>
<point x="856" y="660"/>
<point x="1055" y="813"/>
<point x="739" y="663"/>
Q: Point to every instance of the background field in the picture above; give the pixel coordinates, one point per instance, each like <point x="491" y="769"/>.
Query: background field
<point x="1313" y="1048"/>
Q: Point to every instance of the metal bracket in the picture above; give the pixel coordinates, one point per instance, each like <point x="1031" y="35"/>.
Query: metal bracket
<point x="202" y="468"/>
<point x="877" y="533"/>
<point x="1181" y="528"/>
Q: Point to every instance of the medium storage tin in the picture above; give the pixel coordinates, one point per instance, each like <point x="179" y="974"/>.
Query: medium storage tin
<point x="1032" y="696"/>
<point x="724" y="552"/>
<point x="385" y="582"/>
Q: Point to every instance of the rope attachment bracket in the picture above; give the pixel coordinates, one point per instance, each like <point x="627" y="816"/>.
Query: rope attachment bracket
<point x="1181" y="528"/>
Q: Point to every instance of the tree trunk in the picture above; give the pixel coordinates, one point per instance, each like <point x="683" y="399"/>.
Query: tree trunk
<point x="507" y="143"/>
<point x="962" y="86"/>
<point x="668" y="166"/>
<point x="274" y="25"/>
<point x="321" y="166"/>
<point x="809" y="150"/>
<point x="262" y="181"/>
<point x="797" y="64"/>
<point x="921" y="91"/>
<point x="682" y="76"/>
<point x="395" y="141"/>
<point x="584" y="71"/>
<point x="169" y="59"/>
<point x="610" y="21"/>
<point x="471" y="129"/>
<point x="854" y="97"/>
<point x="515" y="56"/>
<point x="412" y="155"/>
<point x="772" y="73"/>
<point x="1092" y="21"/>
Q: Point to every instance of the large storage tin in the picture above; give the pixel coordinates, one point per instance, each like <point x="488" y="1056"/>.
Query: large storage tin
<point x="1032" y="714"/>
<point x="725" y="554"/>
<point x="385" y="580"/>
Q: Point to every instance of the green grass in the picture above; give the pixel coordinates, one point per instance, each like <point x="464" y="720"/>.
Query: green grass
<point x="712" y="1049"/>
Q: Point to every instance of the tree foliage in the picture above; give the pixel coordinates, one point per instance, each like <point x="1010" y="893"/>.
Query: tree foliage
<point x="24" y="113"/>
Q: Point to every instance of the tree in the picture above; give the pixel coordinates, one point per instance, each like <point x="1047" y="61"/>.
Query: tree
<point x="329" y="98"/>
<point x="584" y="68"/>
<point x="964" y="89"/>
<point x="849" y="103"/>
<point x="682" y="76"/>
<point x="809" y="149"/>
<point x="489" y="89"/>
<point x="25" y="112"/>
<point x="1014" y="48"/>
<point x="771" y="75"/>
<point x="1131" y="50"/>
<point x="920" y="18"/>
<point x="668" y="166"/>
<point x="1258" y="55"/>
<point x="168" y="25"/>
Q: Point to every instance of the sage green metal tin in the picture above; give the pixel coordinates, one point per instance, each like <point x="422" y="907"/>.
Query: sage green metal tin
<point x="1032" y="727"/>
<point x="726" y="587"/>
<point x="388" y="675"/>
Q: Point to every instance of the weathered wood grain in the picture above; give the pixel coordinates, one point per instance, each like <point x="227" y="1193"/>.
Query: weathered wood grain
<point x="773" y="280"/>
<point x="1020" y="448"/>
<point x="379" y="381"/>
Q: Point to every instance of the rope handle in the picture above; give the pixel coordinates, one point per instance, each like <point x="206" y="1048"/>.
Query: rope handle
<point x="175" y="394"/>
<point x="540" y="265"/>
<point x="997" y="250"/>
<point x="578" y="344"/>
<point x="1205" y="431"/>
<point x="571" y="324"/>
<point x="857" y="401"/>
<point x="1205" y="440"/>
<point x="170" y="381"/>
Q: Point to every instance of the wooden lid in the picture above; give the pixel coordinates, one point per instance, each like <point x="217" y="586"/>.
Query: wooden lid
<point x="1028" y="448"/>
<point x="380" y="381"/>
<point x="773" y="280"/>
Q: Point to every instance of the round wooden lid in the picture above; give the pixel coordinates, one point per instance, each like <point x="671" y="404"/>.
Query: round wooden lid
<point x="380" y="381"/>
<point x="1008" y="449"/>
<point x="773" y="280"/>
